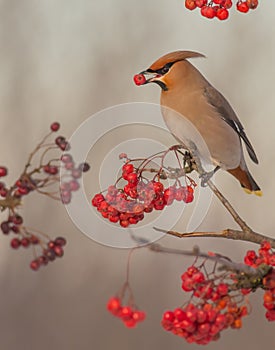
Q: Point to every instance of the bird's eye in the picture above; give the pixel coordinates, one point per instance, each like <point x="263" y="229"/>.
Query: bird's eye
<point x="165" y="69"/>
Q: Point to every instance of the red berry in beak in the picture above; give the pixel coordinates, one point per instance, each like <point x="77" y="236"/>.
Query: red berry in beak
<point x="139" y="79"/>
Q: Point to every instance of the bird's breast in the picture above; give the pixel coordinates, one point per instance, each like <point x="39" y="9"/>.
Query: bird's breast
<point x="193" y="121"/>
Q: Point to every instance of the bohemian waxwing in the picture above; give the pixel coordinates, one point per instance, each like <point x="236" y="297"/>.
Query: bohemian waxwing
<point x="185" y="90"/>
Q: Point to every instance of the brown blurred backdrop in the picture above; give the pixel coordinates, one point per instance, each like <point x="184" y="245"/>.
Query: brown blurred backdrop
<point x="65" y="60"/>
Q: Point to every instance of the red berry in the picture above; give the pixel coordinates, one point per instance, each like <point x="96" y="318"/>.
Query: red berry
<point x="23" y="190"/>
<point x="204" y="328"/>
<point x="5" y="227"/>
<point x="270" y="315"/>
<point x="168" y="316"/>
<point x="60" y="140"/>
<point x="124" y="223"/>
<point x="158" y="187"/>
<point x="55" y="126"/>
<point x="201" y="3"/>
<point x="252" y="4"/>
<point x="201" y="316"/>
<point x="126" y="312"/>
<point x="25" y="242"/>
<point x="222" y="14"/>
<point x="74" y="185"/>
<point x="34" y="239"/>
<point x="114" y="218"/>
<point x="132" y="179"/>
<point x="3" y="171"/>
<point x="228" y="4"/>
<point x="113" y="305"/>
<point x="66" y="158"/>
<point x="265" y="245"/>
<point x="15" y="243"/>
<point x="65" y="197"/>
<point x="242" y="7"/>
<point x="139" y="316"/>
<point x="76" y="173"/>
<point x="58" y="250"/>
<point x="222" y="289"/>
<point x="98" y="198"/>
<point x="190" y="4"/>
<point x="50" y="254"/>
<point x="139" y="79"/>
<point x="189" y="195"/>
<point x="17" y="219"/>
<point x="169" y="194"/>
<point x="3" y="192"/>
<point x="179" y="314"/>
<point x="208" y="11"/>
<point x="43" y="260"/>
<point x="51" y="244"/>
<point x="84" y="167"/>
<point x="34" y="265"/>
<point x="130" y="323"/>
<point x="128" y="168"/>
<point x="60" y="241"/>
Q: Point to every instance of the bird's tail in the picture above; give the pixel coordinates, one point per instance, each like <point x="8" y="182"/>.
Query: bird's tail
<point x="246" y="180"/>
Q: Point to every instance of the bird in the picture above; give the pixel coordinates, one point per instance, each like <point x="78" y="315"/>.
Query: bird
<point x="187" y="95"/>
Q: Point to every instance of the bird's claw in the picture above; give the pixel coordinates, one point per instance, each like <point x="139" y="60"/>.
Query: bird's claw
<point x="205" y="177"/>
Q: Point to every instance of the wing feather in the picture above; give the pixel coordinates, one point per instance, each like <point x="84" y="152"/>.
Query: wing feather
<point x="226" y="112"/>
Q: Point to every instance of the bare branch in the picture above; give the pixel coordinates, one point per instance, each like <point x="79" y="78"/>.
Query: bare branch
<point x="249" y="236"/>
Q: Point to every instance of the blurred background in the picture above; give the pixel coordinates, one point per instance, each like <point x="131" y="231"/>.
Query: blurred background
<point x="66" y="60"/>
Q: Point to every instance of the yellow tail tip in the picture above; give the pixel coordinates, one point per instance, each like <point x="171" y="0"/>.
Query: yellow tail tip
<point x="258" y="193"/>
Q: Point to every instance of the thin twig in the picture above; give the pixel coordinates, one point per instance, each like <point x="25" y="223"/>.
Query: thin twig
<point x="224" y="261"/>
<point x="230" y="209"/>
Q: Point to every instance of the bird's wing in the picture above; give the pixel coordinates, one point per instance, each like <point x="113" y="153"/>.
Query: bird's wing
<point x="226" y="112"/>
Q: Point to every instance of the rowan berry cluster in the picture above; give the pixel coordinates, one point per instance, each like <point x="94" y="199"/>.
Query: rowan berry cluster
<point x="215" y="307"/>
<point x="220" y="8"/>
<point x="43" y="177"/>
<point x="128" y="204"/>
<point x="129" y="315"/>
<point x="265" y="256"/>
<point x="203" y="323"/>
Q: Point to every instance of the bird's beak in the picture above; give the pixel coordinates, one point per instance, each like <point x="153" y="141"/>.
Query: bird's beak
<point x="150" y="76"/>
<point x="146" y="77"/>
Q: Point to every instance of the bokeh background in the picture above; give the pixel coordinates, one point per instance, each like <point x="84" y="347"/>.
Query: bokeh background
<point x="65" y="60"/>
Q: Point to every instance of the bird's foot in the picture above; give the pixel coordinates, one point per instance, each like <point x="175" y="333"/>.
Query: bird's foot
<point x="205" y="177"/>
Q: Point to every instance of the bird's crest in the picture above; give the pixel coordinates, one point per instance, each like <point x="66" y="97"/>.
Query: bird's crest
<point x="174" y="57"/>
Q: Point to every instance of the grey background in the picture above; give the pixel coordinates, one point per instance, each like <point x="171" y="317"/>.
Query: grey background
<point x="65" y="60"/>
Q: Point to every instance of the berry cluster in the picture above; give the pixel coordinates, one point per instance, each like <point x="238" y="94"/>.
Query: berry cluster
<point x="265" y="256"/>
<point x="54" y="250"/>
<point x="203" y="323"/>
<point x="39" y="178"/>
<point x="219" y="8"/>
<point x="127" y="205"/>
<point x="129" y="315"/>
<point x="75" y="172"/>
<point x="217" y="297"/>
<point x="215" y="310"/>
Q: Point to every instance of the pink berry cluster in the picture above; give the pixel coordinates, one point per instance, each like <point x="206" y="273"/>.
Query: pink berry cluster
<point x="129" y="315"/>
<point x="265" y="256"/>
<point x="39" y="178"/>
<point x="127" y="205"/>
<point x="220" y="8"/>
<point x="75" y="173"/>
<point x="215" y="310"/>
